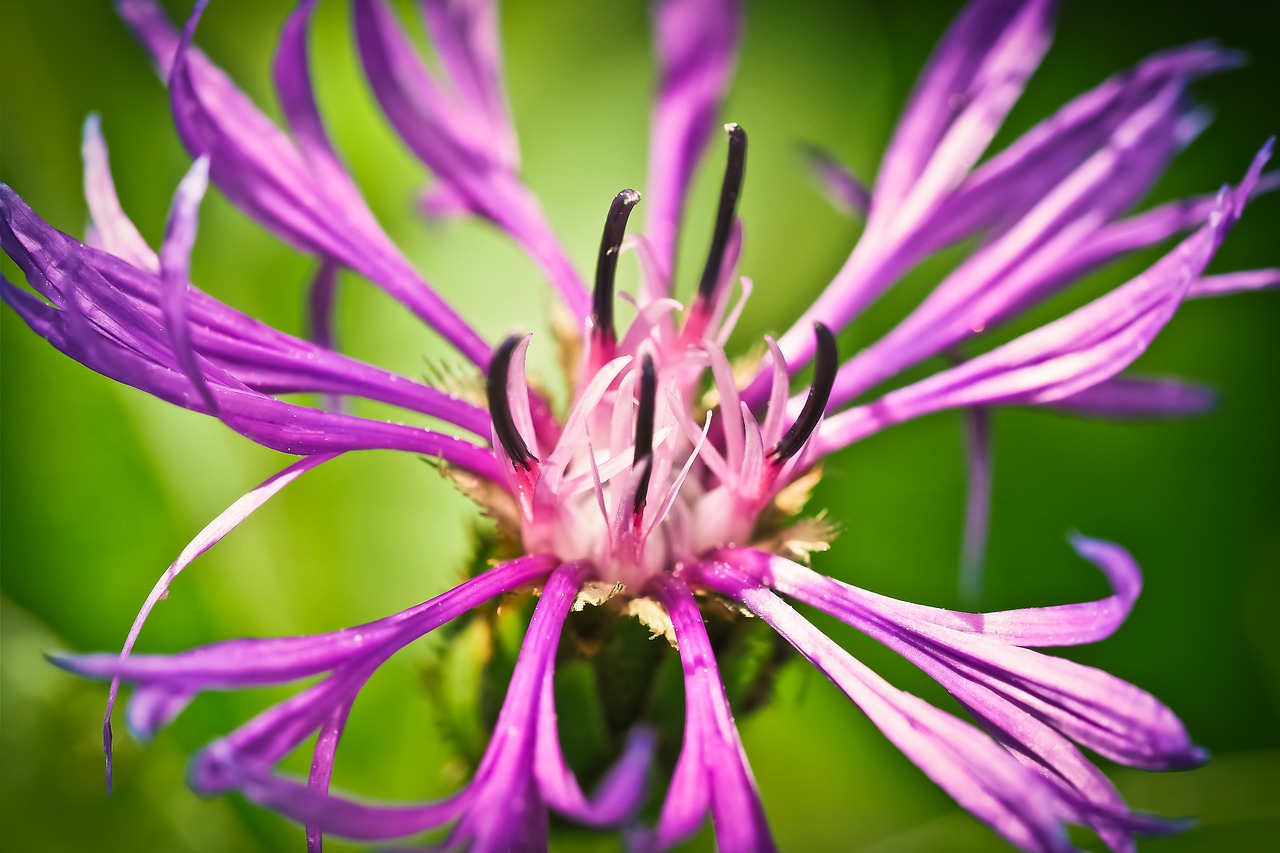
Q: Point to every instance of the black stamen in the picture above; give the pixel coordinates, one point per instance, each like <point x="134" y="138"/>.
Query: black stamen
<point x="824" y="376"/>
<point x="734" y="171"/>
<point x="607" y="263"/>
<point x="500" y="406"/>
<point x="644" y="429"/>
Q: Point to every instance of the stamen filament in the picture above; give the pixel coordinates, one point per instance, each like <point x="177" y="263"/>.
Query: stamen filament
<point x="504" y="425"/>
<point x="615" y="225"/>
<point x="826" y="360"/>
<point x="644" y="430"/>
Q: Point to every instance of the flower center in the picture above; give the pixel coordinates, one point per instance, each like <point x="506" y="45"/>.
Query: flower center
<point x="637" y="479"/>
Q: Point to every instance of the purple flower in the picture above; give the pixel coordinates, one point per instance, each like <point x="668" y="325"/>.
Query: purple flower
<point x="669" y="492"/>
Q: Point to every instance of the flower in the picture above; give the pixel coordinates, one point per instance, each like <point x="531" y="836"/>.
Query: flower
<point x="648" y="499"/>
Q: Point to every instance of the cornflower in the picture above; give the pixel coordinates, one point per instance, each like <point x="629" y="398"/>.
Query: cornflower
<point x="669" y="491"/>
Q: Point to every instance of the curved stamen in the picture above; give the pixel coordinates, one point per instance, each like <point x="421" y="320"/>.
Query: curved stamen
<point x="644" y="430"/>
<point x="504" y="424"/>
<point x="734" y="171"/>
<point x="824" y="376"/>
<point x="615" y="225"/>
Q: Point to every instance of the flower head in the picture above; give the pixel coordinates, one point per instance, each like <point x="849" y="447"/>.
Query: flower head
<point x="670" y="489"/>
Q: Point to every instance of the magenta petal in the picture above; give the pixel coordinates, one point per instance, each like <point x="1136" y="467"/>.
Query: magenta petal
<point x="262" y="170"/>
<point x="1093" y="708"/>
<point x="1237" y="282"/>
<point x="115" y="232"/>
<point x="1128" y="398"/>
<point x="978" y="774"/>
<point x="962" y="97"/>
<point x="454" y="138"/>
<point x="1025" y="264"/>
<point x="175" y="264"/>
<point x="697" y="47"/>
<point x="623" y="788"/>
<point x="465" y="35"/>
<point x="322" y="767"/>
<point x="507" y="810"/>
<point x="248" y="662"/>
<point x="1067" y="356"/>
<point x="977" y="508"/>
<point x="840" y="185"/>
<point x="712" y="768"/>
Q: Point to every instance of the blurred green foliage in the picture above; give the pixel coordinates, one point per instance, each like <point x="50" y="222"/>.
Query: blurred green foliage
<point x="102" y="485"/>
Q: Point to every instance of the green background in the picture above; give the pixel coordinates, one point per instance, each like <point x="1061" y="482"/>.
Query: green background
<point x="103" y="485"/>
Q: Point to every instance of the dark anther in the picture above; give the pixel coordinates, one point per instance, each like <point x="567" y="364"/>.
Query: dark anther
<point x="824" y="376"/>
<point x="500" y="405"/>
<point x="607" y="263"/>
<point x="644" y="429"/>
<point x="734" y="171"/>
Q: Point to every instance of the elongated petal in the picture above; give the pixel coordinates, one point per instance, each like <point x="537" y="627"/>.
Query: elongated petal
<point x="175" y="271"/>
<point x="697" y="47"/>
<point x="620" y="793"/>
<point x="116" y="233"/>
<point x="712" y="758"/>
<point x="291" y="71"/>
<point x="1002" y="192"/>
<point x="977" y="510"/>
<point x="322" y="767"/>
<point x="1238" y="282"/>
<point x="968" y="765"/>
<point x="1021" y="266"/>
<point x="838" y="183"/>
<point x="465" y="35"/>
<point x="1097" y="710"/>
<point x="1059" y="625"/>
<point x="463" y="153"/>
<point x="508" y="812"/>
<point x="261" y="170"/>
<point x="110" y="333"/>
<point x="251" y="662"/>
<point x="1080" y="350"/>
<point x="972" y="80"/>
<point x="1127" y="398"/>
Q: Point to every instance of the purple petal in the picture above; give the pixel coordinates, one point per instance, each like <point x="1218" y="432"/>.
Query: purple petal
<point x="292" y="74"/>
<point x="508" y="812"/>
<point x="1023" y="265"/>
<point x="320" y="307"/>
<point x="173" y="701"/>
<point x="115" y="231"/>
<point x="1139" y="398"/>
<point x="1060" y="625"/>
<point x="252" y="662"/>
<point x="621" y="791"/>
<point x="712" y="765"/>
<point x="446" y="134"/>
<point x="1099" y="711"/>
<point x="465" y="35"/>
<point x="972" y="80"/>
<point x="697" y="46"/>
<point x="1236" y="282"/>
<point x="263" y="172"/>
<point x="175" y="271"/>
<point x="977" y="513"/>
<point x="978" y="774"/>
<point x="112" y="334"/>
<point x="1002" y="190"/>
<point x="839" y="184"/>
<point x="1065" y="357"/>
<point x="259" y="356"/>
<point x="499" y="810"/>
<point x="322" y="767"/>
